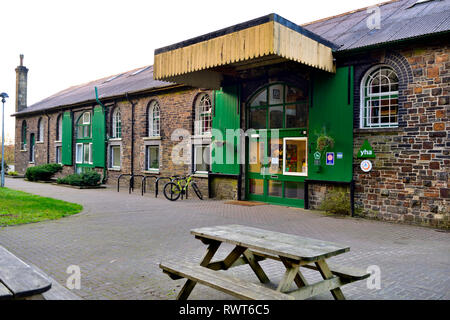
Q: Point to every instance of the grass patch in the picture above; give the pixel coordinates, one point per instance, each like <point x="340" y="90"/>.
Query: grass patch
<point x="17" y="207"/>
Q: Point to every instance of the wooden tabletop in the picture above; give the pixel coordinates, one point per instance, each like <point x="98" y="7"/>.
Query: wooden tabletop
<point x="272" y="243"/>
<point x="18" y="279"/>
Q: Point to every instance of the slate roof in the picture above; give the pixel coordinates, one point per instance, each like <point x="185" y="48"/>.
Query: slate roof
<point x="400" y="19"/>
<point x="132" y="81"/>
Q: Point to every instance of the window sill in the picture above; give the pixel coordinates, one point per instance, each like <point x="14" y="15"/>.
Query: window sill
<point x="200" y="175"/>
<point x="376" y="130"/>
<point x="58" y="141"/>
<point x="115" y="139"/>
<point x="152" y="138"/>
<point x="39" y="142"/>
<point x="23" y="150"/>
<point x="114" y="169"/>
<point x="151" y="171"/>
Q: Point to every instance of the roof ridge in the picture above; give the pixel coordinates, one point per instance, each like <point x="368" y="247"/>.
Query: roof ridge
<point x="348" y="12"/>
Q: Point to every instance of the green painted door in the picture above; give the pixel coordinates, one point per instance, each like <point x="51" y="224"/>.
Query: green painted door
<point x="67" y="138"/>
<point x="276" y="166"/>
<point x="225" y="133"/>
<point x="276" y="150"/>
<point x="331" y="114"/>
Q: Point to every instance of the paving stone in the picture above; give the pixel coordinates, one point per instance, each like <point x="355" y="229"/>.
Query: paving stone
<point x="119" y="240"/>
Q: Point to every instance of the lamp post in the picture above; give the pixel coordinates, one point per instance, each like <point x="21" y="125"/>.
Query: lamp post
<point x="3" y="95"/>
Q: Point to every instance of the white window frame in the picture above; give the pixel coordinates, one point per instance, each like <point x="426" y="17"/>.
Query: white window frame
<point x="363" y="96"/>
<point x="40" y="130"/>
<point x="198" y="146"/>
<point x="58" y="154"/>
<point x="300" y="174"/>
<point x="90" y="153"/>
<point x="59" y="128"/>
<point x="152" y="118"/>
<point x="116" y="121"/>
<point x="111" y="165"/>
<point x="202" y="116"/>
<point x="86" y="119"/>
<point x="148" y="147"/>
<point x="79" y="153"/>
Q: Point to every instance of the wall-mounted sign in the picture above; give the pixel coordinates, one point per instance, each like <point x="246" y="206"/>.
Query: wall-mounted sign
<point x="339" y="155"/>
<point x="330" y="158"/>
<point x="366" y="151"/>
<point x="317" y="155"/>
<point x="366" y="166"/>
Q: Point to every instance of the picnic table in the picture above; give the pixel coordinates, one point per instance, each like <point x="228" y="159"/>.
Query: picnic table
<point x="252" y="245"/>
<point x="18" y="280"/>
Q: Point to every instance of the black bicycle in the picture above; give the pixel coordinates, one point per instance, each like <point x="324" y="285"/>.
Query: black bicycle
<point x="179" y="186"/>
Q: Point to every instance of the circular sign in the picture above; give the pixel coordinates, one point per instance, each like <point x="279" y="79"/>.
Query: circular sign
<point x="366" y="166"/>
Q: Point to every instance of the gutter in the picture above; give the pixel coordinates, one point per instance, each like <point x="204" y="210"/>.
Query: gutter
<point x="89" y="102"/>
<point x="105" y="138"/>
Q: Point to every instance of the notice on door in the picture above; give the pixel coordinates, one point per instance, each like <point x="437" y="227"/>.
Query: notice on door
<point x="330" y="158"/>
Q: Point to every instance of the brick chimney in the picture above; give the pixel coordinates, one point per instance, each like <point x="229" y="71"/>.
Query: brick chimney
<point x="21" y="86"/>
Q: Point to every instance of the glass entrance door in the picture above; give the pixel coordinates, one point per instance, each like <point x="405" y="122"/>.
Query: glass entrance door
<point x="277" y="167"/>
<point x="277" y="146"/>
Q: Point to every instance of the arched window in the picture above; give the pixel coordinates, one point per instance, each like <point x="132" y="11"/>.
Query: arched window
<point x="59" y="128"/>
<point x="116" y="124"/>
<point x="23" y="141"/>
<point x="154" y="119"/>
<point x="379" y="98"/>
<point x="84" y="126"/>
<point x="40" y="135"/>
<point x="278" y="106"/>
<point x="203" y="115"/>
<point x="32" y="148"/>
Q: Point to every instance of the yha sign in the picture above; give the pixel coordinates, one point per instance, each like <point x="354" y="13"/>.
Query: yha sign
<point x="366" y="151"/>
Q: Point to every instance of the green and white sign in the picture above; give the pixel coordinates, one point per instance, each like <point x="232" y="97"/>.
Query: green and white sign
<point x="366" y="151"/>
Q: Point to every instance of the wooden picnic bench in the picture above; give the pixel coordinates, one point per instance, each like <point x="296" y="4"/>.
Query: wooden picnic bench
<point x="253" y="245"/>
<point x="18" y="280"/>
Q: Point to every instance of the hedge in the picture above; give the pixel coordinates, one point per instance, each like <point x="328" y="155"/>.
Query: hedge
<point x="43" y="172"/>
<point x="90" y="178"/>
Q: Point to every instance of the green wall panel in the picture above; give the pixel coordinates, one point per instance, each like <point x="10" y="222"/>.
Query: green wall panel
<point x="226" y="116"/>
<point x="331" y="111"/>
<point x="98" y="138"/>
<point x="66" y="145"/>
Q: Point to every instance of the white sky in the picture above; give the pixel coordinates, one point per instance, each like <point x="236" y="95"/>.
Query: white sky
<point x="71" y="42"/>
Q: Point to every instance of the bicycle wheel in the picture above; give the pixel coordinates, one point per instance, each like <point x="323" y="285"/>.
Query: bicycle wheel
<point x="171" y="191"/>
<point x="197" y="190"/>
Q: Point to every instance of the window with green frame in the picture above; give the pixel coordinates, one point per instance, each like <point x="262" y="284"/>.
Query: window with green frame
<point x="379" y="98"/>
<point x="84" y="126"/>
<point x="278" y="106"/>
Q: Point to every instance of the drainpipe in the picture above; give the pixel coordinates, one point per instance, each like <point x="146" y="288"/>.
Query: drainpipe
<point x="48" y="137"/>
<point x="132" y="139"/>
<point x="105" y="138"/>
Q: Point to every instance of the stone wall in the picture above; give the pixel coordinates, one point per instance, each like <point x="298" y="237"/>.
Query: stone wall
<point x="409" y="180"/>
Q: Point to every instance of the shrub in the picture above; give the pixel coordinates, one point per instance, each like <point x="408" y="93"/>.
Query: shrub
<point x="43" y="172"/>
<point x="6" y="165"/>
<point x="90" y="178"/>
<point x="13" y="173"/>
<point x="336" y="201"/>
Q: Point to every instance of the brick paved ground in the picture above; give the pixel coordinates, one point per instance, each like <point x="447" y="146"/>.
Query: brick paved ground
<point x="119" y="240"/>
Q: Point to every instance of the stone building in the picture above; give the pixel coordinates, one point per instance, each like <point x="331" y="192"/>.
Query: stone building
<point x="271" y="111"/>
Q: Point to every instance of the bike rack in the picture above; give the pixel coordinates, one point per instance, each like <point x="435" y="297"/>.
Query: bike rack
<point x="157" y="184"/>
<point x="144" y="183"/>
<point x="131" y="187"/>
<point x="120" y="176"/>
